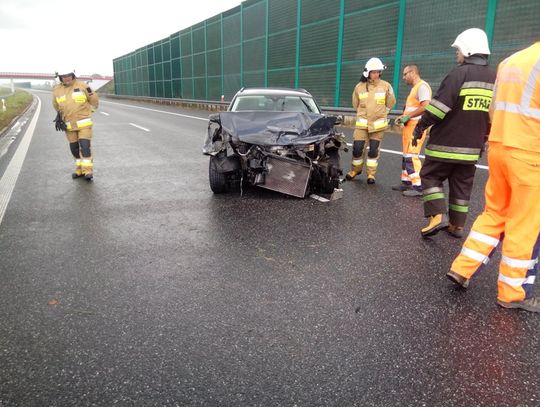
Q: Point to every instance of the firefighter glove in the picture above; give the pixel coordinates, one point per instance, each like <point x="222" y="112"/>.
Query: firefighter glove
<point x="59" y="123"/>
<point x="404" y="119"/>
<point x="417" y="135"/>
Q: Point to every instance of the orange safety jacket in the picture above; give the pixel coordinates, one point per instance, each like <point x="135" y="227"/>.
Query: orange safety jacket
<point x="76" y="103"/>
<point x="372" y="101"/>
<point x="412" y="103"/>
<point x="516" y="112"/>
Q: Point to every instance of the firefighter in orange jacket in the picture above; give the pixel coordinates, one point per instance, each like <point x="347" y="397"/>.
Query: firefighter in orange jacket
<point x="372" y="98"/>
<point x="74" y="102"/>
<point x="512" y="192"/>
<point x="459" y="120"/>
<point x="416" y="103"/>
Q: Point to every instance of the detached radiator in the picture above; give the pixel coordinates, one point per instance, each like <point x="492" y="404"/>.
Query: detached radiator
<point x="287" y="176"/>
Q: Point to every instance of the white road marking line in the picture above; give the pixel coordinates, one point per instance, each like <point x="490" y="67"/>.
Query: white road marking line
<point x="155" y="110"/>
<point x="139" y="127"/>
<point x="9" y="179"/>
<point x="483" y="167"/>
<point x="105" y="113"/>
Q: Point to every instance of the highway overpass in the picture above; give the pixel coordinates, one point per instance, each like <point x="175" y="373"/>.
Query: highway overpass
<point x="97" y="81"/>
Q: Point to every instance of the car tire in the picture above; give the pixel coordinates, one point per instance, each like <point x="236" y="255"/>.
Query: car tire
<point x="216" y="179"/>
<point x="329" y="184"/>
<point x="330" y="181"/>
<point x="334" y="159"/>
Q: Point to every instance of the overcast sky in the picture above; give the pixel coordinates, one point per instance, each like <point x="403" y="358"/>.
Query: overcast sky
<point x="41" y="36"/>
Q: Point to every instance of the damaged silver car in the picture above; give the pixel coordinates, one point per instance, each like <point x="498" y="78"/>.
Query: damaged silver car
<point x="276" y="139"/>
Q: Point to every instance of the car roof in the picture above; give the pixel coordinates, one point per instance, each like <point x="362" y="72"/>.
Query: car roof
<point x="273" y="91"/>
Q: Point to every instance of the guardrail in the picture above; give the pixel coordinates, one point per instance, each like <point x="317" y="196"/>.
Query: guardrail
<point x="190" y="103"/>
<point x="348" y="113"/>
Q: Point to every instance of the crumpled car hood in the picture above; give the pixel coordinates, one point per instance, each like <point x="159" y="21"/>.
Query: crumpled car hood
<point x="277" y="128"/>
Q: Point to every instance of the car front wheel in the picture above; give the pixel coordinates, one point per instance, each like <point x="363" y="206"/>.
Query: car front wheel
<point x="217" y="180"/>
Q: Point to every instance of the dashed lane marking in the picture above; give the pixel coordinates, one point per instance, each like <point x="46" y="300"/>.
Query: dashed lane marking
<point x="158" y="111"/>
<point x="139" y="127"/>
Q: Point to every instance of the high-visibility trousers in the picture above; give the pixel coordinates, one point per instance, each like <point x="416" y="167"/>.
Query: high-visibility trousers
<point x="460" y="183"/>
<point x="511" y="214"/>
<point x="77" y="134"/>
<point x="84" y="165"/>
<point x="410" y="163"/>
<point x="372" y="160"/>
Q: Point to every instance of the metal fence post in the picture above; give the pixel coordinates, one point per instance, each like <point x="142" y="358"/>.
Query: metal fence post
<point x="399" y="46"/>
<point x="222" y="58"/>
<point x="297" y="60"/>
<point x="205" y="61"/>
<point x="192" y="65"/>
<point x="339" y="51"/>
<point x="266" y="44"/>
<point x="241" y="45"/>
<point x="490" y="20"/>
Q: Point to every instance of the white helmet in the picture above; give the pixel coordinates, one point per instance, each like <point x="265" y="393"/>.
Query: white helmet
<point x="374" y="64"/>
<point x="472" y="41"/>
<point x="64" y="72"/>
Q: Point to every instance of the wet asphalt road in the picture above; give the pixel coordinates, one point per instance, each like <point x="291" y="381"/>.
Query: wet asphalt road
<point x="145" y="289"/>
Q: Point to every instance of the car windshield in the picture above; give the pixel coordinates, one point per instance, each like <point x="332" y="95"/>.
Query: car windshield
<point x="273" y="103"/>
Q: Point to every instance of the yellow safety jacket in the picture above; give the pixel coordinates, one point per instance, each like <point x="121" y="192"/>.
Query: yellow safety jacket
<point x="516" y="117"/>
<point x="76" y="103"/>
<point x="372" y="101"/>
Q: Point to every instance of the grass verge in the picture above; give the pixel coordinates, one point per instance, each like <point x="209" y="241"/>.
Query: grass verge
<point x="15" y="105"/>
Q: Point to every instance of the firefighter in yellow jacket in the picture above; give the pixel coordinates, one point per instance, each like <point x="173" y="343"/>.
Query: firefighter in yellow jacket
<point x="372" y="98"/>
<point x="512" y="211"/>
<point x="74" y="102"/>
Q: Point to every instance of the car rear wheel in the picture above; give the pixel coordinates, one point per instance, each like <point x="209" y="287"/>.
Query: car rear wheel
<point x="217" y="180"/>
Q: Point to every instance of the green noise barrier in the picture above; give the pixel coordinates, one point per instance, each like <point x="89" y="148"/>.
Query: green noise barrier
<point x="319" y="45"/>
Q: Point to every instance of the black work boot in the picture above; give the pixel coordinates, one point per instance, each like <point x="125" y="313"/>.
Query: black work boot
<point x="412" y="192"/>
<point x="457" y="279"/>
<point x="456" y="231"/>
<point x="401" y="187"/>
<point x="530" y="304"/>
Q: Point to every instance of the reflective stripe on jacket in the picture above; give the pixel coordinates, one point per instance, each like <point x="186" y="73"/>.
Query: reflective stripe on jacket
<point x="79" y="124"/>
<point x="516" y="118"/>
<point x="372" y="101"/>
